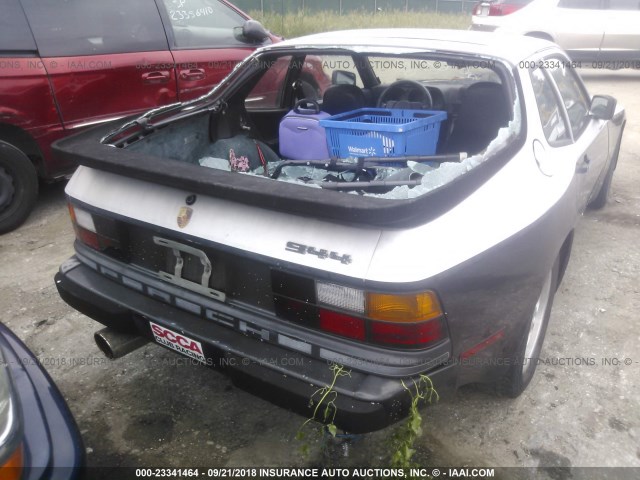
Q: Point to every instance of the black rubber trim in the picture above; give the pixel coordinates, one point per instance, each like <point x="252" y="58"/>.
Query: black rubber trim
<point x="365" y="402"/>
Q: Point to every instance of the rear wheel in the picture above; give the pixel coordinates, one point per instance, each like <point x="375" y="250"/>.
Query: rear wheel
<point x="528" y="352"/>
<point x="18" y="187"/>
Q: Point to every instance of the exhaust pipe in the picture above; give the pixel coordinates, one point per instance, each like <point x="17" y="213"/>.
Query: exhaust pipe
<point x="116" y="344"/>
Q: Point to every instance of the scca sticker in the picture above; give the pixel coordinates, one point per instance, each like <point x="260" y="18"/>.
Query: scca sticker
<point x="177" y="342"/>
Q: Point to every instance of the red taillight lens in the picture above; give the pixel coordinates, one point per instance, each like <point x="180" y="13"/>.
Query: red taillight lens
<point x="88" y="238"/>
<point x="408" y="334"/>
<point x="341" y="324"/>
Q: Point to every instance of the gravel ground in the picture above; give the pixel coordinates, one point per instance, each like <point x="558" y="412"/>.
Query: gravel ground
<point x="152" y="408"/>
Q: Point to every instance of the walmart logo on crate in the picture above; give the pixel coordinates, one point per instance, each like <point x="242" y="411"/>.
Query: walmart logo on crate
<point x="370" y="151"/>
<point x="383" y="132"/>
<point x="370" y="145"/>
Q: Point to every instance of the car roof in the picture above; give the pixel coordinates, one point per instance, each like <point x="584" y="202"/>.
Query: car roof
<point x="510" y="47"/>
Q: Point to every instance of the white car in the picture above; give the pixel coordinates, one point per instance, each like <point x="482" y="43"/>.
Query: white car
<point x="425" y="233"/>
<point x="592" y="31"/>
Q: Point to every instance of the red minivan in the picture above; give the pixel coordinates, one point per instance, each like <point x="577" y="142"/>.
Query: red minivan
<point x="68" y="64"/>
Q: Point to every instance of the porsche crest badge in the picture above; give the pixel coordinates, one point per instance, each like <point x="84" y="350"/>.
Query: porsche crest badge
<point x="184" y="216"/>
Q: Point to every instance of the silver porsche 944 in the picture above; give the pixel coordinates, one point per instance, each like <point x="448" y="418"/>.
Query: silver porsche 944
<point x="401" y="203"/>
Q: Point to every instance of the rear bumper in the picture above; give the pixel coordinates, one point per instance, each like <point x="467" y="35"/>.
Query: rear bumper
<point x="365" y="402"/>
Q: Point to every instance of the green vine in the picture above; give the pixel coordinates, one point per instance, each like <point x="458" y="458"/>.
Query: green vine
<point x="405" y="436"/>
<point x="325" y="408"/>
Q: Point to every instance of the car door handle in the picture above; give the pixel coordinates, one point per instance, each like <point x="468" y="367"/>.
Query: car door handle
<point x="193" y="74"/>
<point x="152" y="78"/>
<point x="583" y="166"/>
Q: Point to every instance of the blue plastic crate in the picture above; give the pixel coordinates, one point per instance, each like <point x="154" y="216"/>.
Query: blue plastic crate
<point x="382" y="132"/>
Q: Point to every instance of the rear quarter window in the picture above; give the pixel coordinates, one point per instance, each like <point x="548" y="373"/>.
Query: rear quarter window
<point x="94" y="27"/>
<point x="576" y="101"/>
<point x="549" y="109"/>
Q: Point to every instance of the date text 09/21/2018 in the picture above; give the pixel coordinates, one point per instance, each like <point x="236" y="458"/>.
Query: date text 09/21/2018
<point x="598" y="65"/>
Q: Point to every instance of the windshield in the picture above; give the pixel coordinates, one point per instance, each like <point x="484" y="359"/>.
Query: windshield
<point x="389" y="69"/>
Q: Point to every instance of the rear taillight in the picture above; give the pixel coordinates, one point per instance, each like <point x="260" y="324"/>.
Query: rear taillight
<point x="84" y="224"/>
<point x="84" y="227"/>
<point x="413" y="320"/>
<point x="404" y="320"/>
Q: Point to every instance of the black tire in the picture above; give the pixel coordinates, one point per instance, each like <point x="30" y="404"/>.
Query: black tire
<point x="528" y="352"/>
<point x="18" y="187"/>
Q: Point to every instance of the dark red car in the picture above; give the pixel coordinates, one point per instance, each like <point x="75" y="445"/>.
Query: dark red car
<point x="68" y="64"/>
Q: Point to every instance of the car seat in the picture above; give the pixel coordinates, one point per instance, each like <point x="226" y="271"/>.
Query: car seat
<point x="484" y="109"/>
<point x="342" y="98"/>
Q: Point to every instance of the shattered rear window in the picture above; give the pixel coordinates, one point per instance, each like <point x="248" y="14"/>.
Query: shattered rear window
<point x="378" y="125"/>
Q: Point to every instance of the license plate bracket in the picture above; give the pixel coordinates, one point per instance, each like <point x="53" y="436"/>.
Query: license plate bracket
<point x="177" y="250"/>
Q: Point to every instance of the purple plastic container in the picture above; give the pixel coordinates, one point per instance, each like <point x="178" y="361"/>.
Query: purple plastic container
<point x="301" y="136"/>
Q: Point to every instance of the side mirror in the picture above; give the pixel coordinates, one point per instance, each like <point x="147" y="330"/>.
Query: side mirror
<point x="253" y="31"/>
<point x="342" y="77"/>
<point x="603" y="107"/>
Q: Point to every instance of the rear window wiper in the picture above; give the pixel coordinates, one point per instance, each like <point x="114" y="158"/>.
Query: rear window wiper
<point x="139" y="123"/>
<point x="142" y="124"/>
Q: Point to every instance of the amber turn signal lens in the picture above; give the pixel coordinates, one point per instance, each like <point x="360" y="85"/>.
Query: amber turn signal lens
<point x="12" y="468"/>
<point x="72" y="213"/>
<point x="411" y="308"/>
